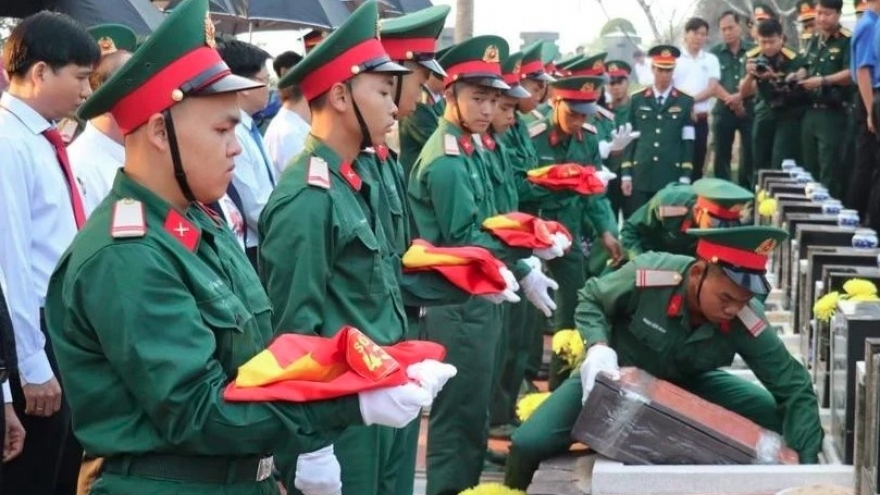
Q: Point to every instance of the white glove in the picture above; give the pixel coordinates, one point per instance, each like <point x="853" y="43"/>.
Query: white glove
<point x="600" y="358"/>
<point x="623" y="136"/>
<point x="561" y="243"/>
<point x="605" y="175"/>
<point x="394" y="406"/>
<point x="509" y="292"/>
<point x="318" y="473"/>
<point x="533" y="262"/>
<point x="605" y="148"/>
<point x="432" y="375"/>
<point x="535" y="286"/>
<point x="684" y="180"/>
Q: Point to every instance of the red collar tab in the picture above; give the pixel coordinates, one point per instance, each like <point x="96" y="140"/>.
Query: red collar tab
<point x="675" y="304"/>
<point x="467" y="144"/>
<point x="181" y="229"/>
<point x="382" y="152"/>
<point x="350" y="176"/>
<point x="488" y="142"/>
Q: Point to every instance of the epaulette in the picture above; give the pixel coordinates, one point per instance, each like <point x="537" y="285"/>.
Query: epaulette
<point x="680" y="92"/>
<point x="643" y="91"/>
<point x="318" y="173"/>
<point x="754" y="324"/>
<point x="589" y="128"/>
<point x="754" y="52"/>
<point x="845" y="32"/>
<point x="657" y="278"/>
<point x="537" y="128"/>
<point x="450" y="145"/>
<point x="128" y="219"/>
<point x="789" y="53"/>
<point x="608" y="114"/>
<point x="672" y="211"/>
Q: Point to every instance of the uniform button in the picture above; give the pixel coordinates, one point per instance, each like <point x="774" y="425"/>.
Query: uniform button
<point x="658" y="131"/>
<point x="659" y="117"/>
<point x="656" y="145"/>
<point x="656" y="159"/>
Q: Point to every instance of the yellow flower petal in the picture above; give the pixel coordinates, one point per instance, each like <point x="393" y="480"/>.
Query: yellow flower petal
<point x="569" y="346"/>
<point x="491" y="489"/>
<point x="863" y="297"/>
<point x="529" y="404"/>
<point x="767" y="208"/>
<point x="824" y="308"/>
<point x="762" y="195"/>
<point x="858" y="286"/>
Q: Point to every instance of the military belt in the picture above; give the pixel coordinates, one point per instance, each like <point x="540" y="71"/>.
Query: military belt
<point x="196" y="469"/>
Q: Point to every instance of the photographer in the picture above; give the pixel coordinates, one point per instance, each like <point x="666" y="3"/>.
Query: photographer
<point x="772" y="74"/>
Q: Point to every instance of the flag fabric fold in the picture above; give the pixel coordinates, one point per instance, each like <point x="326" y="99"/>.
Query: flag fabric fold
<point x="568" y="176"/>
<point x="522" y="230"/>
<point x="470" y="268"/>
<point x="303" y="368"/>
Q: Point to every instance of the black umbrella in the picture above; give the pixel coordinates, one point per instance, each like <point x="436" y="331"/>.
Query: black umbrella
<point x="140" y="15"/>
<point x="236" y="16"/>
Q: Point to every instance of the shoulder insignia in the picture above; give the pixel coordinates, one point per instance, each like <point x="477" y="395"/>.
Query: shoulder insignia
<point x="845" y="32"/>
<point x="753" y="52"/>
<point x="128" y="219"/>
<point x="318" y="174"/>
<point x="537" y="128"/>
<point x="646" y="92"/>
<point x="657" y="278"/>
<point x="537" y="114"/>
<point x="672" y="211"/>
<point x="181" y="229"/>
<point x="450" y="145"/>
<point x="789" y="53"/>
<point x="608" y="114"/>
<point x="589" y="128"/>
<point x="753" y="323"/>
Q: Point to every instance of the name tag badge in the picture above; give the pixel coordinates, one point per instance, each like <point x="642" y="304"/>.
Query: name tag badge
<point x="675" y="109"/>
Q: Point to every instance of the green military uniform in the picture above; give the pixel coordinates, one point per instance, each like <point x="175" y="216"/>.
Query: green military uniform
<point x="661" y="225"/>
<point x="824" y="126"/>
<point x="776" y="134"/>
<point x="627" y="310"/>
<point x="154" y="411"/>
<point x="451" y="193"/>
<point x="806" y="10"/>
<point x="336" y="266"/>
<point x="414" y="130"/>
<point x="618" y="70"/>
<point x="726" y="123"/>
<point x="664" y="152"/>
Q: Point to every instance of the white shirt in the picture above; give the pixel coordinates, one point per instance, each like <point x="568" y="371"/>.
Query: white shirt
<point x="665" y="94"/>
<point x="251" y="178"/>
<point x="285" y="138"/>
<point x="643" y="73"/>
<point x="7" y="392"/>
<point x="693" y="74"/>
<point x="37" y="226"/>
<point x="95" y="159"/>
<point x="234" y="219"/>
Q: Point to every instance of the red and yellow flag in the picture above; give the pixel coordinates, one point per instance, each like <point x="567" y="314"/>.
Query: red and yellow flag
<point x="568" y="176"/>
<point x="303" y="368"/>
<point x="523" y="230"/>
<point x="470" y="268"/>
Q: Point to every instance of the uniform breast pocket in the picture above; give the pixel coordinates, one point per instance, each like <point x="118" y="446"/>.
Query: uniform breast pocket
<point x="368" y="262"/>
<point x="651" y="335"/>
<point x="705" y="356"/>
<point x="230" y="321"/>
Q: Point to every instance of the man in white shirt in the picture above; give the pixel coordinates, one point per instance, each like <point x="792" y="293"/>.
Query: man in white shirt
<point x="697" y="73"/>
<point x="642" y="69"/>
<point x="254" y="177"/>
<point x="97" y="154"/>
<point x="48" y="58"/>
<point x="286" y="134"/>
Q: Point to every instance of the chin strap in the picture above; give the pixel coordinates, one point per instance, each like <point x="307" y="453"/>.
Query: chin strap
<point x="179" y="173"/>
<point x="461" y="122"/>
<point x="366" y="141"/>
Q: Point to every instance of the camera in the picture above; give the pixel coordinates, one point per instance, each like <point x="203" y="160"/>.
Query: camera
<point x="762" y="64"/>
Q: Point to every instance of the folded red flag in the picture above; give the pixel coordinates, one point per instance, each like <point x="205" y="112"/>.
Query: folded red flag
<point x="568" y="176"/>
<point x="304" y="368"/>
<point x="519" y="229"/>
<point x="470" y="268"/>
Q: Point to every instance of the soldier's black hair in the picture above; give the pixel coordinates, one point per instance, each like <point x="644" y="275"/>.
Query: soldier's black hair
<point x="49" y="37"/>
<point x="285" y="61"/>
<point x="243" y="59"/>
<point x="831" y="4"/>
<point x="770" y="27"/>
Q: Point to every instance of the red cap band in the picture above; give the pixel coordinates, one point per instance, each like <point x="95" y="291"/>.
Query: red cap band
<point x="588" y="72"/>
<point x="717" y="210"/>
<point x="530" y="68"/>
<point x="511" y="79"/>
<point x="471" y="67"/>
<point x="340" y="68"/>
<point x="575" y="94"/>
<point x="398" y="48"/>
<point x="749" y="260"/>
<point x="618" y="73"/>
<point x="154" y="95"/>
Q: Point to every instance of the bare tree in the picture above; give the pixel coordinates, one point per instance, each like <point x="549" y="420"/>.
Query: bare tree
<point x="464" y="20"/>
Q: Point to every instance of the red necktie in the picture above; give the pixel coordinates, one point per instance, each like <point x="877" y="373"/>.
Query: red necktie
<point x="57" y="142"/>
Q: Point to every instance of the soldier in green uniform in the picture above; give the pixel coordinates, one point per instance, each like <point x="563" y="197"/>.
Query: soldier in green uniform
<point x="769" y="73"/>
<point x="732" y="112"/>
<point x="806" y="16"/>
<point x="451" y="194"/>
<point x="619" y="73"/>
<point x="681" y="319"/>
<point x="546" y="104"/>
<point x="827" y="79"/>
<point x="164" y="348"/>
<point x="661" y="225"/>
<point x="563" y="136"/>
<point x="664" y="152"/>
<point x="760" y="13"/>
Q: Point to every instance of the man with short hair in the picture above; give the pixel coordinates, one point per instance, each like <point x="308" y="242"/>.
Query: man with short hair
<point x="732" y="113"/>
<point x="288" y="130"/>
<point x="697" y="73"/>
<point x="48" y="59"/>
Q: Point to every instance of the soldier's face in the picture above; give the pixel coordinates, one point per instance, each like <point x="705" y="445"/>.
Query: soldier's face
<point x="504" y="114"/>
<point x="61" y="91"/>
<point x="476" y="104"/>
<point x="770" y="45"/>
<point x="570" y="122"/>
<point x="618" y="88"/>
<point x="662" y="77"/>
<point x="730" y="29"/>
<point x="411" y="89"/>
<point x="827" y="19"/>
<point x="374" y="94"/>
<point x="720" y="299"/>
<point x="538" y="90"/>
<point x="205" y="129"/>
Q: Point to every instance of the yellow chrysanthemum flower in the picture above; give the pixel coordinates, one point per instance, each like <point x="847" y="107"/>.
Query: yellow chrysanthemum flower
<point x="569" y="346"/>
<point x="762" y="195"/>
<point x="767" y="208"/>
<point x="491" y="489"/>
<point x="863" y="297"/>
<point x="529" y="404"/>
<point x="858" y="286"/>
<point x="824" y="308"/>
